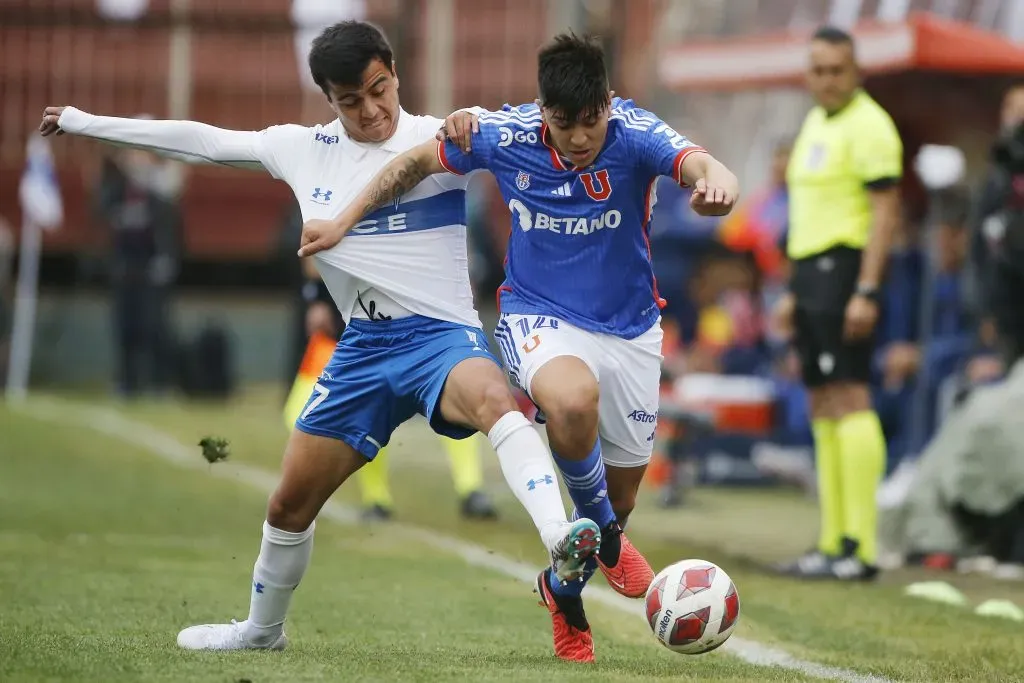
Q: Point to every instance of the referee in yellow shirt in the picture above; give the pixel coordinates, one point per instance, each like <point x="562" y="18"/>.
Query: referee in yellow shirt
<point x="844" y="203"/>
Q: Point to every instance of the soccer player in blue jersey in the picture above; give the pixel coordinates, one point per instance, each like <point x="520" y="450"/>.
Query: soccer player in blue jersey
<point x="580" y="311"/>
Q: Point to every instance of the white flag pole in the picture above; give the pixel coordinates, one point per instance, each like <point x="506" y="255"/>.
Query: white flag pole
<point x="42" y="209"/>
<point x="25" y="297"/>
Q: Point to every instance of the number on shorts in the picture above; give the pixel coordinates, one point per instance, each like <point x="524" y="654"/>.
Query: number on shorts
<point x="539" y="322"/>
<point x="321" y="396"/>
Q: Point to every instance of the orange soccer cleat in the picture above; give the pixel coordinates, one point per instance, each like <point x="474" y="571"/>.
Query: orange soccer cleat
<point x="631" y="574"/>
<point x="570" y="629"/>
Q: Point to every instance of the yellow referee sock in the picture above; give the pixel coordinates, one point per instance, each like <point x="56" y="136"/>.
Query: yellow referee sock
<point x="374" y="482"/>
<point x="464" y="458"/>
<point x="862" y="462"/>
<point x="830" y="490"/>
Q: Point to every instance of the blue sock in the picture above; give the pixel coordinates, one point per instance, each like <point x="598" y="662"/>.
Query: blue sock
<point x="573" y="588"/>
<point x="587" y="486"/>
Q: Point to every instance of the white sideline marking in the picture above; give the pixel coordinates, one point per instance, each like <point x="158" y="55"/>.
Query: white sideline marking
<point x="142" y="435"/>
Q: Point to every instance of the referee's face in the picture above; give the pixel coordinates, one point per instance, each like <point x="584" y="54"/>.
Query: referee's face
<point x="832" y="75"/>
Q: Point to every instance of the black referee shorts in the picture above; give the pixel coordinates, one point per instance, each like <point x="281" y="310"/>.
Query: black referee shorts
<point x="822" y="286"/>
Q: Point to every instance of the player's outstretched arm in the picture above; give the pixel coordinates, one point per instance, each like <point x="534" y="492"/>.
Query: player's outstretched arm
<point x="715" y="188"/>
<point x="402" y="174"/>
<point x="183" y="140"/>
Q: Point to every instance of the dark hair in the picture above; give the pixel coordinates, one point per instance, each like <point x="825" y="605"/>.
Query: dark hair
<point x="833" y="36"/>
<point x="571" y="76"/>
<point x="342" y="52"/>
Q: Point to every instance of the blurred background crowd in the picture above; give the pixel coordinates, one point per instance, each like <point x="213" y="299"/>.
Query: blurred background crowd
<point x="163" y="279"/>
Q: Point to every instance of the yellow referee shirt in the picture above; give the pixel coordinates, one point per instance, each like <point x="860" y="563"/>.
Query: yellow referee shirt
<point x="834" y="161"/>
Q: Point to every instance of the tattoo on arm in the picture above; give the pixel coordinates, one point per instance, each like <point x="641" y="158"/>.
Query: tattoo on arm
<point x="397" y="178"/>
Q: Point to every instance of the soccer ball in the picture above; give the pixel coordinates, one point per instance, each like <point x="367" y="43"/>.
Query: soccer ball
<point x="692" y="606"/>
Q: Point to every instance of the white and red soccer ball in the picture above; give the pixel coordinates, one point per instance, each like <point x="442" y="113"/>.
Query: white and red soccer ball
<point x="692" y="607"/>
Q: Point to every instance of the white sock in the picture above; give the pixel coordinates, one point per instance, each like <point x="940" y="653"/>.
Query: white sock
<point x="284" y="556"/>
<point x="526" y="462"/>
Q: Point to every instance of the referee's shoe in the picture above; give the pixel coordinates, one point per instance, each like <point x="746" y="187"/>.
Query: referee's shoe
<point x="818" y="565"/>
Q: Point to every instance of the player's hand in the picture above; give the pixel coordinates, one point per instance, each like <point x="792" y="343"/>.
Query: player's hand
<point x="713" y="196"/>
<point x="49" y="125"/>
<point x="319" y="319"/>
<point x="459" y="128"/>
<point x="861" y="315"/>
<point x="318" y="235"/>
<point x="784" y="316"/>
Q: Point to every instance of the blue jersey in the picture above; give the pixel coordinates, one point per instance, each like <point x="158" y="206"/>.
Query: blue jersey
<point x="579" y="248"/>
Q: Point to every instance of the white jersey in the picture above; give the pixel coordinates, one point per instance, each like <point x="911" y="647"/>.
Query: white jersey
<point x="407" y="258"/>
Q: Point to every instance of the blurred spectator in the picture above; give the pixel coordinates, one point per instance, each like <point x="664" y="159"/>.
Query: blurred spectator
<point x="759" y="224"/>
<point x="965" y="496"/>
<point x="680" y="239"/>
<point x="136" y="200"/>
<point x="759" y="227"/>
<point x="998" y="230"/>
<point x="912" y="365"/>
<point x="730" y="326"/>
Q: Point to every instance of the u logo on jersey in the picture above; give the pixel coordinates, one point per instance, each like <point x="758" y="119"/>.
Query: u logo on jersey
<point x="597" y="185"/>
<point x="522" y="181"/>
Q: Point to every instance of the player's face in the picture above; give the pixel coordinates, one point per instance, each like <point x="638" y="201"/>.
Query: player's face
<point x="369" y="111"/>
<point x="832" y="76"/>
<point x="580" y="141"/>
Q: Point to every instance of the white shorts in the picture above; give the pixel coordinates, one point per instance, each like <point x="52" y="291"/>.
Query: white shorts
<point x="627" y="370"/>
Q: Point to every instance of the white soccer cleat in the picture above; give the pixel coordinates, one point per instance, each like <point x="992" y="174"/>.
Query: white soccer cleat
<point x="581" y="542"/>
<point x="224" y="637"/>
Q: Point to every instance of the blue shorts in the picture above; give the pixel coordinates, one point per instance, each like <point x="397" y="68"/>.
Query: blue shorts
<point x="384" y="372"/>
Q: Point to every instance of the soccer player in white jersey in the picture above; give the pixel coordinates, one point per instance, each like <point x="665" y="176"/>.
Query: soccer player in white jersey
<point x="413" y="342"/>
<point x="579" y="307"/>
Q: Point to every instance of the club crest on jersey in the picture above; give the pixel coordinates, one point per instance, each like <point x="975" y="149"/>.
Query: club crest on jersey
<point x="597" y="185"/>
<point x="522" y="180"/>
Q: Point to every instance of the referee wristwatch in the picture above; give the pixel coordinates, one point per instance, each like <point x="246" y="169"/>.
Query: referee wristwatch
<point x="868" y="292"/>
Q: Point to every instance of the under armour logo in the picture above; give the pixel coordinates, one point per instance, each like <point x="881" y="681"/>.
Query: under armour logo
<point x="533" y="483"/>
<point x="324" y="195"/>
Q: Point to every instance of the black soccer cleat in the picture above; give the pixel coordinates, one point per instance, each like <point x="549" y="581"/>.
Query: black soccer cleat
<point x="816" y="565"/>
<point x="813" y="564"/>
<point x="376" y="513"/>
